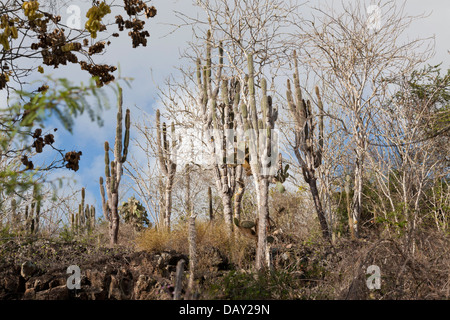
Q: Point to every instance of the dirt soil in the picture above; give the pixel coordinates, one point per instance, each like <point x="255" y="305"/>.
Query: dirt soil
<point x="38" y="271"/>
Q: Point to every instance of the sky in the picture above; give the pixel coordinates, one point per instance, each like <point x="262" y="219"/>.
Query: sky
<point x="151" y="65"/>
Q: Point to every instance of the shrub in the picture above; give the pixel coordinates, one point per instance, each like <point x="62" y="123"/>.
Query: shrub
<point x="236" y="285"/>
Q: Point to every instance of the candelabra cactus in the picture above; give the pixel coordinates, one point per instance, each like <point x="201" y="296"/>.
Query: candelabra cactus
<point x="114" y="171"/>
<point x="219" y="120"/>
<point x="261" y="149"/>
<point x="308" y="148"/>
<point x="167" y="162"/>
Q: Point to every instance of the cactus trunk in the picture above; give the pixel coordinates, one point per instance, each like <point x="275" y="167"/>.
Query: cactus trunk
<point x="114" y="171"/>
<point x="168" y="203"/>
<point x="308" y="148"/>
<point x="263" y="259"/>
<point x="210" y="204"/>
<point x="228" y="212"/>
<point x="166" y="155"/>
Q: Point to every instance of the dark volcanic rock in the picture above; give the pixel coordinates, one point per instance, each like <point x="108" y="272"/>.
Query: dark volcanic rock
<point x="38" y="271"/>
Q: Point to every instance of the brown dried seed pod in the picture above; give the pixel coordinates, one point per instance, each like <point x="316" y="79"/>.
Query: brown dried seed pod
<point x="49" y="139"/>
<point x="43" y="88"/>
<point x="96" y="47"/>
<point x="37" y="133"/>
<point x="72" y="158"/>
<point x="150" y="12"/>
<point x="38" y="144"/>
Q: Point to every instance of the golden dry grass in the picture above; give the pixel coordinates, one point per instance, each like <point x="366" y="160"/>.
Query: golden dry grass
<point x="213" y="244"/>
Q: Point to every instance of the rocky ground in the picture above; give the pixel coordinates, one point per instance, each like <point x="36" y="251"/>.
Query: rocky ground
<point x="38" y="271"/>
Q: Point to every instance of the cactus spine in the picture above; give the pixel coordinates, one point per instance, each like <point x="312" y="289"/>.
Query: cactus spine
<point x="308" y="148"/>
<point x="167" y="162"/>
<point x="114" y="171"/>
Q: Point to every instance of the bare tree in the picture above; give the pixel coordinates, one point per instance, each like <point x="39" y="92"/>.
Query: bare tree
<point x="353" y="58"/>
<point x="406" y="163"/>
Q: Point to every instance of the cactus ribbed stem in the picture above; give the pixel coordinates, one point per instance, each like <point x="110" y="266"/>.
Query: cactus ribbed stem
<point x="166" y="154"/>
<point x="251" y="91"/>
<point x="308" y="149"/>
<point x="114" y="171"/>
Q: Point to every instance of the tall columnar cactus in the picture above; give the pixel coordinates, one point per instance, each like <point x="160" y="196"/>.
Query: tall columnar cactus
<point x="210" y="205"/>
<point x="27" y="219"/>
<point x="37" y="212"/>
<point x="15" y="218"/>
<point x="81" y="209"/>
<point x="167" y="162"/>
<point x="219" y="119"/>
<point x="193" y="259"/>
<point x="73" y="224"/>
<point x="308" y="147"/>
<point x="84" y="220"/>
<point x="32" y="214"/>
<point x="92" y="220"/>
<point x="114" y="171"/>
<point x="261" y="147"/>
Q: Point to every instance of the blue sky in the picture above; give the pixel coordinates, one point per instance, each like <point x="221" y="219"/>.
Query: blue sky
<point x="151" y="65"/>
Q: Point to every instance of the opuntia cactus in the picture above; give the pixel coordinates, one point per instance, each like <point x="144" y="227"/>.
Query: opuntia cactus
<point x="282" y="175"/>
<point x="218" y="119"/>
<point x="134" y="213"/>
<point x="261" y="150"/>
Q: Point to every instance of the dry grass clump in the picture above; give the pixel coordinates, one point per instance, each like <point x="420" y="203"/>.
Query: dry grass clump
<point x="100" y="235"/>
<point x="159" y="240"/>
<point x="215" y="249"/>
